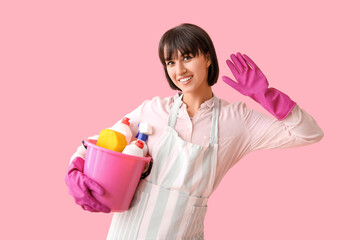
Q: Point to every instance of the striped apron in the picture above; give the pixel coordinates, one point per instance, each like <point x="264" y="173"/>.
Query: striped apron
<point x="171" y="202"/>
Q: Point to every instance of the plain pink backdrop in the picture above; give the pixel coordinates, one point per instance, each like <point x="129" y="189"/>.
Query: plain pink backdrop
<point x="71" y="68"/>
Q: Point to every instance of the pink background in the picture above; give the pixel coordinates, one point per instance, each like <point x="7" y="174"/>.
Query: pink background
<point x="71" y="68"/>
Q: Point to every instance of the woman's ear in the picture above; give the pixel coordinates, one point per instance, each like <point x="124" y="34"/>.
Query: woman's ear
<point x="208" y="59"/>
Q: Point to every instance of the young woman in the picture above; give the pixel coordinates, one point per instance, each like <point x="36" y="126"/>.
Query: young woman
<point x="197" y="139"/>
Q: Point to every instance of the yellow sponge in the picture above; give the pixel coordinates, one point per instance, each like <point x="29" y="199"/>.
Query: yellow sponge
<point x="112" y="140"/>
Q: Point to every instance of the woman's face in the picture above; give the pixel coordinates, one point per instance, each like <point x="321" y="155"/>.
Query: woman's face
<point x="188" y="72"/>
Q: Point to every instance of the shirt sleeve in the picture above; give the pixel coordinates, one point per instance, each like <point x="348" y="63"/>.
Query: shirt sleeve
<point x="297" y="129"/>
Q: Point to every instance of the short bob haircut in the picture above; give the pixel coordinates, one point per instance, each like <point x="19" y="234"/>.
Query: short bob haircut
<point x="188" y="39"/>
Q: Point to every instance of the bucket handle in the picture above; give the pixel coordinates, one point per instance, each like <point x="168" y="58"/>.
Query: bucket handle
<point x="145" y="174"/>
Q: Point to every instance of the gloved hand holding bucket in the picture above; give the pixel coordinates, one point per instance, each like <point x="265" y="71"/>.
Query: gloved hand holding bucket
<point x="117" y="173"/>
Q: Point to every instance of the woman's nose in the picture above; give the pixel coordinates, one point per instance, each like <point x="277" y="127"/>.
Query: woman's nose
<point x="181" y="69"/>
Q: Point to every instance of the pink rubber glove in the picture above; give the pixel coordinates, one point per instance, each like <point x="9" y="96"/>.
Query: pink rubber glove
<point x="80" y="187"/>
<point x="251" y="82"/>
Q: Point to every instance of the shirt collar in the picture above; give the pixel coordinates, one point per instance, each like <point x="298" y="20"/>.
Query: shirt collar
<point x="207" y="104"/>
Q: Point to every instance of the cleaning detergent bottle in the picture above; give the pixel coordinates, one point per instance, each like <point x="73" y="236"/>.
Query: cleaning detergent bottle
<point x="124" y="128"/>
<point x="144" y="131"/>
<point x="135" y="149"/>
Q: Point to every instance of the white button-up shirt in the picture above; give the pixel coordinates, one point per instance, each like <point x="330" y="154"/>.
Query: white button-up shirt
<point x="241" y="129"/>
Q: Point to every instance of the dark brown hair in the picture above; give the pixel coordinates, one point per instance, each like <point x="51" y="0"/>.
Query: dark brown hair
<point x="188" y="39"/>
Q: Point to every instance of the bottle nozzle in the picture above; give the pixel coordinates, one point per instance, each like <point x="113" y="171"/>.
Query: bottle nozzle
<point x="126" y="121"/>
<point x="140" y="144"/>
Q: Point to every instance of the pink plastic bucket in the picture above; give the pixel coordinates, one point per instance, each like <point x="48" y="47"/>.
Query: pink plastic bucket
<point x="117" y="173"/>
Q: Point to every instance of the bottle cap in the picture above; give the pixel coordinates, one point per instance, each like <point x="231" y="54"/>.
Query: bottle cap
<point x="126" y="121"/>
<point x="145" y="128"/>
<point x="140" y="144"/>
<point x="141" y="136"/>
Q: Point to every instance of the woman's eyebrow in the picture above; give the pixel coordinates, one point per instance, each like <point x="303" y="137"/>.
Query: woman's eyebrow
<point x="182" y="55"/>
<point x="186" y="54"/>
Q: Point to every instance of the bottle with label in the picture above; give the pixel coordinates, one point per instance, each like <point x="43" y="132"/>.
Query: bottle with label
<point x="144" y="131"/>
<point x="135" y="149"/>
<point x="124" y="128"/>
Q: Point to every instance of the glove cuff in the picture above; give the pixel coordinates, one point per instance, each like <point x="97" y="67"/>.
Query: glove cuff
<point x="76" y="164"/>
<point x="275" y="102"/>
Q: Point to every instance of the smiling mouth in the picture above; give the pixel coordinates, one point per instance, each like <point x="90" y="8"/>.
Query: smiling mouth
<point x="185" y="79"/>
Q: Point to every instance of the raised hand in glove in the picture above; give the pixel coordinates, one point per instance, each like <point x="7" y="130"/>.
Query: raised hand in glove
<point x="250" y="81"/>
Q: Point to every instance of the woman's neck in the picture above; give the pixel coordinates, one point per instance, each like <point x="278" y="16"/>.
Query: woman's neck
<point x="193" y="101"/>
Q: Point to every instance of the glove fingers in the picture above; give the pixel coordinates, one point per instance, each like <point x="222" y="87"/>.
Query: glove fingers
<point x="233" y="69"/>
<point x="104" y="209"/>
<point x="94" y="186"/>
<point x="237" y="63"/>
<point x="89" y="203"/>
<point x="250" y="62"/>
<point x="98" y="207"/>
<point x="242" y="60"/>
<point x="88" y="208"/>
<point x="230" y="82"/>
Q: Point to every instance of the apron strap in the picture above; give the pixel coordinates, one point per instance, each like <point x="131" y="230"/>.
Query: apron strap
<point x="214" y="123"/>
<point x="174" y="111"/>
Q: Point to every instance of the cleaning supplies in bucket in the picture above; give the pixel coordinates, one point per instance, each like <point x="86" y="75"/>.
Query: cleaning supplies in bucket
<point x="112" y="140"/>
<point x="116" y="140"/>
<point x="124" y="128"/>
<point x="135" y="149"/>
<point x="118" y="173"/>
<point x="144" y="131"/>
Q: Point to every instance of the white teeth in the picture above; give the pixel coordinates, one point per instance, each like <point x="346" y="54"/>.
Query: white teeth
<point x="185" y="79"/>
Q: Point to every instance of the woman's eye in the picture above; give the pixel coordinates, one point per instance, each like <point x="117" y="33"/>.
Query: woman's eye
<point x="187" y="58"/>
<point x="169" y="63"/>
